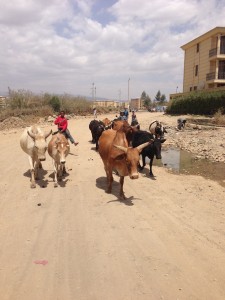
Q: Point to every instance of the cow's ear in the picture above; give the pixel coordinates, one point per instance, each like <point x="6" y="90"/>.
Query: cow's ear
<point x="31" y="134"/>
<point x="162" y="140"/>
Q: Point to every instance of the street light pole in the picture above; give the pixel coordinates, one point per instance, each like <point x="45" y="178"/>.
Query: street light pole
<point x="119" y="94"/>
<point x="128" y="91"/>
<point x="93" y="91"/>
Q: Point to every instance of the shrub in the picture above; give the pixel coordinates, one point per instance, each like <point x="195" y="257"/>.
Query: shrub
<point x="219" y="117"/>
<point x="55" y="103"/>
<point x="201" y="103"/>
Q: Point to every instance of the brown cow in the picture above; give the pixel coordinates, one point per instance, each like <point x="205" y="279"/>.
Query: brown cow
<point x="116" y="155"/>
<point x="58" y="149"/>
<point x="107" y="123"/>
<point x="126" y="128"/>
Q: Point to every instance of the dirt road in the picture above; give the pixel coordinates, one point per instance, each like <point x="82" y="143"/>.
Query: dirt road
<point x="75" y="242"/>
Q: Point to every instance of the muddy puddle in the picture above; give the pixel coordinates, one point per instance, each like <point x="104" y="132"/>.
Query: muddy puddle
<point x="183" y="162"/>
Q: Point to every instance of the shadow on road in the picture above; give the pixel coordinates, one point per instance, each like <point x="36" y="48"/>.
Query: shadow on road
<point x="40" y="181"/>
<point x="101" y="183"/>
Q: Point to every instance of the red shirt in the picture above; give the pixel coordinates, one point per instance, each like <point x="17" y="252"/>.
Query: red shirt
<point x="62" y="123"/>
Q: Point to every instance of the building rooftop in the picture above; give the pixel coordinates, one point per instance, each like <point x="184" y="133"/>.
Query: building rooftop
<point x="203" y="37"/>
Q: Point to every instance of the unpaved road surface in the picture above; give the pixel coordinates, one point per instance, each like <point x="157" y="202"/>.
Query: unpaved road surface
<point x="75" y="242"/>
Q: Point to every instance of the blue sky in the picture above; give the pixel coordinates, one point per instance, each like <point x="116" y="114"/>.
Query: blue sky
<point x="64" y="46"/>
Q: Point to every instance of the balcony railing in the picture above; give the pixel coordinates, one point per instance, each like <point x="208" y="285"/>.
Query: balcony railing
<point x="213" y="52"/>
<point x="212" y="76"/>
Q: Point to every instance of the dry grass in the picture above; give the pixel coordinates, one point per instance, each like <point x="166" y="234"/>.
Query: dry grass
<point x="219" y="118"/>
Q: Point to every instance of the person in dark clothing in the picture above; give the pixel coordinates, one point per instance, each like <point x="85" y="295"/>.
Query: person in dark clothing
<point x="126" y="114"/>
<point x="181" y="123"/>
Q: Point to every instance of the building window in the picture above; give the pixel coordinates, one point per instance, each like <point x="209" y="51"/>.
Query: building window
<point x="195" y="88"/>
<point x="196" y="70"/>
<point x="190" y="88"/>
<point x="197" y="48"/>
<point x="222" y="45"/>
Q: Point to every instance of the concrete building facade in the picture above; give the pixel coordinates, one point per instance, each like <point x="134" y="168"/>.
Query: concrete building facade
<point x="204" y="62"/>
<point x="136" y="104"/>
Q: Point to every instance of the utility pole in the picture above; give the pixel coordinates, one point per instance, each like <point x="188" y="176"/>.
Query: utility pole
<point x="119" y="94"/>
<point x="128" y="91"/>
<point x="93" y="91"/>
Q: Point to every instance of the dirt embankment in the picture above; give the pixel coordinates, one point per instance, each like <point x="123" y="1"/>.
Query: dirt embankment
<point x="205" y="142"/>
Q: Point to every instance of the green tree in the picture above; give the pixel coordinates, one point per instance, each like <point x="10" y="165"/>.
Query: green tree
<point x="146" y="99"/>
<point x="55" y="103"/>
<point x="158" y="96"/>
<point x="163" y="98"/>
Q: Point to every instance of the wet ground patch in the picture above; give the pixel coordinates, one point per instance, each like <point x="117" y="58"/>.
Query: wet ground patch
<point x="182" y="162"/>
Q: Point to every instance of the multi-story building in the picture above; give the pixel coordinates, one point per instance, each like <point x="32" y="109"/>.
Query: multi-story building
<point x="136" y="103"/>
<point x="204" y="62"/>
<point x="110" y="103"/>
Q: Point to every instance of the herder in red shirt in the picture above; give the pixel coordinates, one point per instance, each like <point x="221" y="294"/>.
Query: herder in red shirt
<point x="62" y="123"/>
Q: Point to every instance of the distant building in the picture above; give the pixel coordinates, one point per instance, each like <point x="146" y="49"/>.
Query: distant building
<point x="204" y="62"/>
<point x="2" y="102"/>
<point x="110" y="103"/>
<point x="136" y="104"/>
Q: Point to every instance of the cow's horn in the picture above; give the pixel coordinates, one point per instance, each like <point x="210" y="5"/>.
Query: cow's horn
<point x="47" y="134"/>
<point x="31" y="134"/>
<point x="152" y="123"/>
<point x="108" y="126"/>
<point x="142" y="146"/>
<point x="124" y="149"/>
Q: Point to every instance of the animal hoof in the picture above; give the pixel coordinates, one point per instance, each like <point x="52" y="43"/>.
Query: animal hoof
<point x="33" y="185"/>
<point x="55" y="184"/>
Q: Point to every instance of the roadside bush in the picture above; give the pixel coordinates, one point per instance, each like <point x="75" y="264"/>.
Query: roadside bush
<point x="76" y="105"/>
<point x="24" y="103"/>
<point x="200" y="103"/>
<point x="219" y="117"/>
<point x="54" y="102"/>
<point x="24" y="112"/>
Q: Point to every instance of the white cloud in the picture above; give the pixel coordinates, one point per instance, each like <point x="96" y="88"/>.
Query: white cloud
<point x="61" y="46"/>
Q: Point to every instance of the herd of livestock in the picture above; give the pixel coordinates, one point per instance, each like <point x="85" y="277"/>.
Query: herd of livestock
<point x="119" y="145"/>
